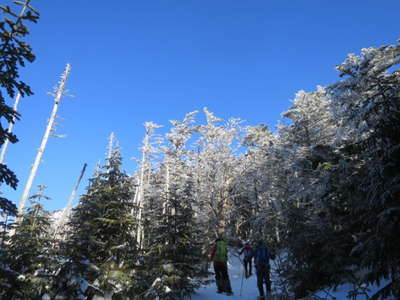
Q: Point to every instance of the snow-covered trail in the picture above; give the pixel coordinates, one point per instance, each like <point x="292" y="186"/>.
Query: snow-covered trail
<point x="235" y="270"/>
<point x="250" y="291"/>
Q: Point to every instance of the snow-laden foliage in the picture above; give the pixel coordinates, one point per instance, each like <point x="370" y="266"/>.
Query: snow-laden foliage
<point x="172" y="245"/>
<point x="342" y="214"/>
<point x="369" y="108"/>
<point x="14" y="53"/>
<point x="214" y="167"/>
<point x="28" y="267"/>
<point x="101" y="245"/>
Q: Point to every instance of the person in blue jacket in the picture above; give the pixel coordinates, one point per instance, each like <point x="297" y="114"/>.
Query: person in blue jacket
<point x="261" y="262"/>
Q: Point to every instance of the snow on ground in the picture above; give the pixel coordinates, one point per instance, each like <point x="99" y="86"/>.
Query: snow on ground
<point x="236" y="272"/>
<point x="342" y="292"/>
<point x="249" y="287"/>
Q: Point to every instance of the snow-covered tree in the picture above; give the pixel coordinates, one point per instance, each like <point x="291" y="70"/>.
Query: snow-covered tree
<point x="340" y="207"/>
<point x="149" y="149"/>
<point x="257" y="204"/>
<point x="307" y="147"/>
<point x="29" y="253"/>
<point x="367" y="106"/>
<point x="13" y="55"/>
<point x="59" y="93"/>
<point x="173" y="253"/>
<point x="215" y="167"/>
<point x="101" y="247"/>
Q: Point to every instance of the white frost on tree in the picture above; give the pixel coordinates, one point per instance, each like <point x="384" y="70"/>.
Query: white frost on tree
<point x="59" y="93"/>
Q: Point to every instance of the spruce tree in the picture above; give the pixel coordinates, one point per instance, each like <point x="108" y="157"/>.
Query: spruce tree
<point x="339" y="181"/>
<point x="367" y="105"/>
<point x="29" y="253"/>
<point x="14" y="53"/>
<point x="173" y="253"/>
<point x="101" y="246"/>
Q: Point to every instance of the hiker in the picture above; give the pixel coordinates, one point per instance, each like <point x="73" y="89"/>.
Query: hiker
<point x="247" y="251"/>
<point x="219" y="256"/>
<point x="261" y="262"/>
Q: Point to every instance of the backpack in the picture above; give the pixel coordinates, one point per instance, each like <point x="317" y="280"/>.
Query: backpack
<point x="222" y="252"/>
<point x="248" y="252"/>
<point x="261" y="256"/>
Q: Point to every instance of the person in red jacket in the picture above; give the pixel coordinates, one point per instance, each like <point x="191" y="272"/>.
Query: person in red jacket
<point x="247" y="252"/>
<point x="219" y="257"/>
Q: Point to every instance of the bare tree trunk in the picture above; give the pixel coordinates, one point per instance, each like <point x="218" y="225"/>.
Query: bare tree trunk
<point x="150" y="127"/>
<point x="139" y="198"/>
<point x="167" y="182"/>
<point x="59" y="93"/>
<point x="10" y="128"/>
<point x="67" y="209"/>
<point x="136" y="197"/>
<point x="278" y="238"/>
<point x="110" y="145"/>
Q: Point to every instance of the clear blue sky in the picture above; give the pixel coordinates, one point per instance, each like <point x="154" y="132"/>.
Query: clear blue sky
<point x="137" y="61"/>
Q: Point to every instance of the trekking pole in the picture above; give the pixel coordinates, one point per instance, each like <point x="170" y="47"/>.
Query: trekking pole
<point x="241" y="284"/>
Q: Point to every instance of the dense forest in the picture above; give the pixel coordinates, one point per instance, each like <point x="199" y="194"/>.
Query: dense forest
<point x="323" y="190"/>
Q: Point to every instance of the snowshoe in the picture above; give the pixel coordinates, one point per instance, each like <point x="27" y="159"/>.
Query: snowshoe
<point x="261" y="298"/>
<point x="229" y="293"/>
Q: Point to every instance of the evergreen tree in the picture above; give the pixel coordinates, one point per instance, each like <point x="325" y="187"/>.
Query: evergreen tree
<point x="367" y="105"/>
<point x="29" y="254"/>
<point x="346" y="217"/>
<point x="341" y="189"/>
<point x="14" y="52"/>
<point x="101" y="246"/>
<point x="256" y="204"/>
<point x="149" y="150"/>
<point x="306" y="145"/>
<point x="174" y="256"/>
<point x="173" y="253"/>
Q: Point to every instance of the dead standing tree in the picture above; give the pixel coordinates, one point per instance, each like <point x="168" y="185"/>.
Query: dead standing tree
<point x="59" y="93"/>
<point x="68" y="208"/>
<point x="139" y="198"/>
<point x="10" y="128"/>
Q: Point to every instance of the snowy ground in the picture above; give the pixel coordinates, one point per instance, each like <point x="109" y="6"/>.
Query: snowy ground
<point x="235" y="269"/>
<point x="249" y="287"/>
<point x="342" y="292"/>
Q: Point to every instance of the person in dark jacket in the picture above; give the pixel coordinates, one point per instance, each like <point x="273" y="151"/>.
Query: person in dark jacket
<point x="261" y="262"/>
<point x="247" y="252"/>
<point x="219" y="257"/>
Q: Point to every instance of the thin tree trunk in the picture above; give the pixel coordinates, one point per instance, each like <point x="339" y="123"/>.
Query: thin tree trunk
<point x="167" y="180"/>
<point x="59" y="93"/>
<point x="4" y="231"/>
<point x="136" y="197"/>
<point x="10" y="128"/>
<point x="139" y="198"/>
<point x="278" y="238"/>
<point x="67" y="209"/>
<point x="110" y="146"/>
<point x="150" y="127"/>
